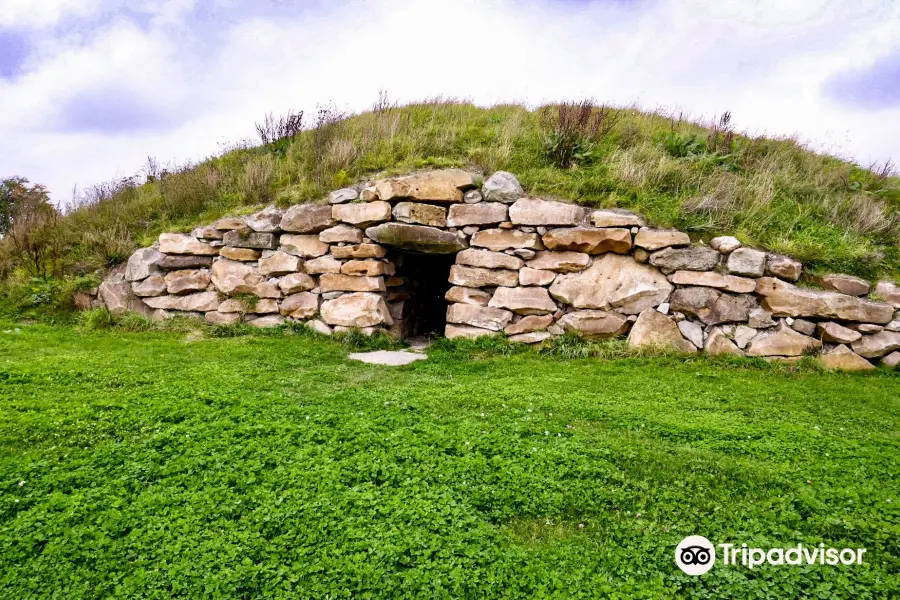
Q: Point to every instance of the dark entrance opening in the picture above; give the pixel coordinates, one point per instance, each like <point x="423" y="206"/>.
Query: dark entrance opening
<point x="418" y="306"/>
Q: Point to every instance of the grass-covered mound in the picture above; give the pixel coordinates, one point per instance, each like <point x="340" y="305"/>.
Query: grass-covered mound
<point x="831" y="214"/>
<point x="159" y="465"/>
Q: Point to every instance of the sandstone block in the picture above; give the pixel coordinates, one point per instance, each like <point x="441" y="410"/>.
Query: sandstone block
<point x="467" y="295"/>
<point x="747" y="261"/>
<point x="843" y="359"/>
<point x="359" y="251"/>
<point x="718" y="344"/>
<point x="143" y="263"/>
<point x="586" y="239"/>
<point x="200" y="302"/>
<point x="303" y="245"/>
<point x="692" y="332"/>
<point x="477" y="277"/>
<point x="473" y="257"/>
<point x="534" y="337"/>
<point x="221" y="318"/>
<point x="616" y="218"/>
<point x="338" y="282"/>
<point x="728" y="283"/>
<point x="890" y="292"/>
<point x="655" y="329"/>
<point x="594" y="324"/>
<point x="783" y="267"/>
<point x="846" y="284"/>
<point x="249" y="239"/>
<point x="725" y="244"/>
<point x="232" y="277"/>
<point x="268" y="220"/>
<point x="307" y="218"/>
<point x="240" y="254"/>
<point x="529" y="276"/>
<point x="529" y="324"/>
<point x="296" y="282"/>
<point x="502" y="187"/>
<point x="891" y="360"/>
<point x="418" y="238"/>
<point x="696" y="258"/>
<point x="177" y="262"/>
<point x="266" y="322"/>
<point x="341" y="233"/>
<point x="362" y="215"/>
<point x="613" y="282"/>
<point x="782" y="341"/>
<point x="533" y="211"/>
<point x="483" y="213"/>
<point x="786" y="300"/>
<point x="446" y="185"/>
<point x="154" y="285"/>
<point x="342" y="196"/>
<point x="359" y="309"/>
<point x="523" y="300"/>
<point x="322" y="264"/>
<point x="182" y="243"/>
<point x="183" y="282"/>
<point x="483" y="317"/>
<point x="503" y="239"/>
<point x="878" y="344"/>
<point x="712" y="306"/>
<point x="560" y="262"/>
<point x="303" y="305"/>
<point x="229" y="223"/>
<point x="369" y="267"/>
<point x="279" y="263"/>
<point x="422" y="214"/>
<point x="465" y="331"/>
<point x="657" y="239"/>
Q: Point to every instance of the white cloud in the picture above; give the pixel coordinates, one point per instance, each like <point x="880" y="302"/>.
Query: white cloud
<point x="765" y="61"/>
<point x="41" y="13"/>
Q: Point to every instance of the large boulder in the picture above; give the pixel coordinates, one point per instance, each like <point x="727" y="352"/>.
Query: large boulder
<point x="362" y="215"/>
<point x="418" y="238"/>
<point x="844" y="359"/>
<point x="502" y="187"/>
<point x="613" y="282"/>
<point x="879" y="344"/>
<point x="655" y="329"/>
<point x="268" y="220"/>
<point x="657" y="239"/>
<point x="303" y="245"/>
<point x="503" y="239"/>
<point x="143" y="263"/>
<point x="446" y="185"/>
<point x="484" y="317"/>
<point x="534" y="211"/>
<point x="523" y="300"/>
<point x="728" y="283"/>
<point x="782" y="341"/>
<point x="184" y="282"/>
<point x="245" y="238"/>
<point x="359" y="309"/>
<point x="589" y="240"/>
<point x="695" y="258"/>
<point x="846" y="284"/>
<point x="594" y="324"/>
<point x="115" y="293"/>
<point x="421" y="214"/>
<point x="232" y="277"/>
<point x="279" y="263"/>
<point x="616" y="218"/>
<point x="199" y="302"/>
<point x="787" y="300"/>
<point x="747" y="261"/>
<point x="182" y="243"/>
<point x="474" y="257"/>
<point x="712" y="306"/>
<point x="560" y="262"/>
<point x="477" y="277"/>
<point x="483" y="213"/>
<point x="307" y="218"/>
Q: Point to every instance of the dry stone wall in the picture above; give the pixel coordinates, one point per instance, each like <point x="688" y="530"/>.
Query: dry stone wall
<point x="528" y="267"/>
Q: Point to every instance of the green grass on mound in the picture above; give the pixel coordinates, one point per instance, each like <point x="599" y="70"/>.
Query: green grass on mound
<point x="163" y="465"/>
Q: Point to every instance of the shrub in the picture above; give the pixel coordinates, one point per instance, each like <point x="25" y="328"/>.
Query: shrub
<point x="573" y="130"/>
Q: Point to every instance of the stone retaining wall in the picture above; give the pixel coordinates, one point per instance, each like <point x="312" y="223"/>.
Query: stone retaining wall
<point x="528" y="267"/>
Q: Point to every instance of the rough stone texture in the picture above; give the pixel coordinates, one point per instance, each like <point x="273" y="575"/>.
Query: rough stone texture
<point x="878" y="344"/>
<point x="783" y="267"/>
<point x="182" y="243"/>
<point x="588" y="240"/>
<point x="529" y="324"/>
<point x="695" y="258"/>
<point x="712" y="306"/>
<point x="743" y="335"/>
<point x="422" y="214"/>
<point x="891" y="360"/>
<point x="143" y="263"/>
<point x="229" y="223"/>
<point x="865" y="328"/>
<point x="657" y="239"/>
<point x="220" y="318"/>
<point x="693" y="332"/>
<point x="718" y="344"/>
<point x="240" y="254"/>
<point x="152" y="286"/>
<point x="300" y="306"/>
<point x="594" y="324"/>
<point x="725" y="244"/>
<point x="184" y="282"/>
<point x="787" y="300"/>
<point x="279" y="263"/>
<point x="523" y="300"/>
<point x="655" y="329"/>
<point x="296" y="282"/>
<point x="846" y="284"/>
<point x="484" y="317"/>
<point x="464" y="331"/>
<point x="613" y="282"/>
<point x="319" y="327"/>
<point x="843" y="359"/>
<point x="502" y="187"/>
<point x="307" y="218"/>
<point x="533" y="211"/>
<point x="116" y="294"/>
<point x="359" y="251"/>
<point x="232" y="277"/>
<point x="303" y="245"/>
<point x="728" y="283"/>
<point x="265" y="306"/>
<point x="488" y="260"/>
<point x="428" y="240"/>
<point x="560" y="262"/>
<point x="338" y="282"/>
<point x="747" y="261"/>
<point x="239" y="238"/>
<point x="267" y="322"/>
<point x="446" y="185"/>
<point x="342" y="196"/>
<point x="616" y="218"/>
<point x="783" y="341"/>
<point x="233" y="305"/>
<point x="359" y="309"/>
<point x="268" y="220"/>
<point x="472" y="197"/>
<point x="468" y="295"/>
<point x="269" y="289"/>
<point x="529" y="276"/>
<point x="341" y="233"/>
<point x="503" y="239"/>
<point x="322" y="264"/>
<point x="483" y="213"/>
<point x="184" y="261"/>
<point x="200" y="302"/>
<point x="889" y="292"/>
<point x="369" y="267"/>
<point x="477" y="277"/>
<point x="803" y="326"/>
<point x="534" y="337"/>
<point x="760" y="318"/>
<point x="362" y="215"/>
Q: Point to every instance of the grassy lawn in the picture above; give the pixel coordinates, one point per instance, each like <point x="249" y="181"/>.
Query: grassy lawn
<point x="160" y="465"/>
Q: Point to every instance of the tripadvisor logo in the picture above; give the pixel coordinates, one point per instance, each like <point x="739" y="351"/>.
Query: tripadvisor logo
<point x="696" y="555"/>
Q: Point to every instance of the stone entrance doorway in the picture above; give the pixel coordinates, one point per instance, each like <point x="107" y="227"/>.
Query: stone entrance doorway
<point x="418" y="306"/>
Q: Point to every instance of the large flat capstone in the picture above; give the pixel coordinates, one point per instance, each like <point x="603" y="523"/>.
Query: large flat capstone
<point x="419" y="238"/>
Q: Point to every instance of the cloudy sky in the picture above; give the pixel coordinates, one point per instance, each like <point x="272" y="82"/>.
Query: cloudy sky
<point x="90" y="88"/>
